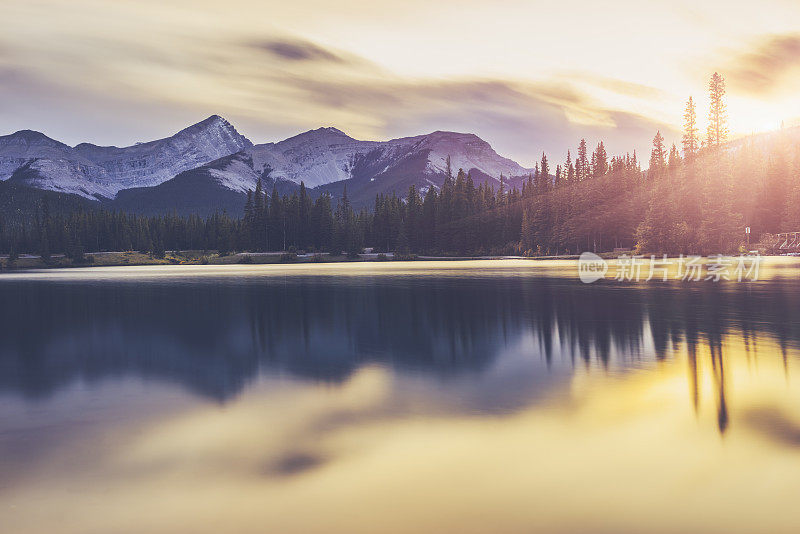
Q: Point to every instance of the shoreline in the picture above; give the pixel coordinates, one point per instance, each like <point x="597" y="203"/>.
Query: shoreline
<point x="28" y="262"/>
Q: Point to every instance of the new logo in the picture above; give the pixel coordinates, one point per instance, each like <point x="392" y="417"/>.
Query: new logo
<point x="591" y="267"/>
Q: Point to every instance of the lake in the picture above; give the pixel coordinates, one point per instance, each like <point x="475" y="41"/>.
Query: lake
<point x="469" y="397"/>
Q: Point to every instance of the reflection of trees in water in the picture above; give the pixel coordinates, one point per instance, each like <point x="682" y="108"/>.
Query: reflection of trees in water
<point x="215" y="336"/>
<point x="709" y="316"/>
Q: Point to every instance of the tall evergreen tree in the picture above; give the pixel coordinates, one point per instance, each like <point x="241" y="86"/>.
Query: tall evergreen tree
<point x="674" y="161"/>
<point x="304" y="205"/>
<point x="429" y="218"/>
<point x="717" y="113"/>
<point x="600" y="161"/>
<point x="528" y="233"/>
<point x="658" y="156"/>
<point x="690" y="141"/>
<point x="44" y="229"/>
<point x="582" y="162"/>
<point x="569" y="168"/>
<point x="544" y="175"/>
<point x="322" y="223"/>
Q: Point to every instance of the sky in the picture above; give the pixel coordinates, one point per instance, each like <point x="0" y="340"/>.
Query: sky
<point x="527" y="76"/>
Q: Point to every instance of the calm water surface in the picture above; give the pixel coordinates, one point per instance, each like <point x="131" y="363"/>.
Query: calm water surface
<point x="424" y="397"/>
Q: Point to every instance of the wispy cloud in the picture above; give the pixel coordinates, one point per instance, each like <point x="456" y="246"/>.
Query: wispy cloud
<point x="296" y="50"/>
<point x="614" y="85"/>
<point x="116" y="87"/>
<point x="520" y="119"/>
<point x="764" y="67"/>
<point x="276" y="68"/>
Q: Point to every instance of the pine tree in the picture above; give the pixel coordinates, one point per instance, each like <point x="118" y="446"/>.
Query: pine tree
<point x="413" y="221"/>
<point x="599" y="161"/>
<point x="275" y="217"/>
<point x="569" y="168"/>
<point x="258" y="223"/>
<point x="345" y="230"/>
<point x="304" y="206"/>
<point x="717" y="113"/>
<point x="559" y="178"/>
<point x="402" y="247"/>
<point x="248" y="226"/>
<point x="527" y="233"/>
<point x="658" y="154"/>
<point x="690" y="141"/>
<point x="544" y="175"/>
<point x="582" y="162"/>
<point x="322" y="223"/>
<point x="674" y="161"/>
<point x="567" y="165"/>
<point x="44" y="230"/>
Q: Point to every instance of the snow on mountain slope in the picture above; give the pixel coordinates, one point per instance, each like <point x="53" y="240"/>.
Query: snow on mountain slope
<point x="94" y="171"/>
<point x="235" y="173"/>
<point x="327" y="155"/>
<point x="222" y="159"/>
<point x="466" y="151"/>
<point x="316" y="157"/>
<point x="23" y="146"/>
<point x="64" y="176"/>
<point x="149" y="164"/>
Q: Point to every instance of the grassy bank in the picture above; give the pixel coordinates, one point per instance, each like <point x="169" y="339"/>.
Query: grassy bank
<point x="200" y="257"/>
<point x="188" y="257"/>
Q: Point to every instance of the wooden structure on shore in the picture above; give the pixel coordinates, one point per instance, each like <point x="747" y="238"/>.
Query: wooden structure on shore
<point x="787" y="243"/>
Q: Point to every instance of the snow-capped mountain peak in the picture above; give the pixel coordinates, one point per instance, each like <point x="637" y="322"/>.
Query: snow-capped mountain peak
<point x="327" y="155"/>
<point x="25" y="139"/>
<point x="320" y="137"/>
<point x="467" y="151"/>
<point x="90" y="170"/>
<point x="213" y="150"/>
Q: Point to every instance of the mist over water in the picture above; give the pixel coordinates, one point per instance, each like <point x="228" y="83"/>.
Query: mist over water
<point x="504" y="396"/>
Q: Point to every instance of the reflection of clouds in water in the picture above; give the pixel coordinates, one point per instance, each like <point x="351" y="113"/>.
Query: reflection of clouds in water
<point x="623" y="452"/>
<point x="437" y="348"/>
<point x="775" y="425"/>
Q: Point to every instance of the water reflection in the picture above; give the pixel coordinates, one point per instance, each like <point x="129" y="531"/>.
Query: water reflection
<point x="497" y="399"/>
<point x="215" y="335"/>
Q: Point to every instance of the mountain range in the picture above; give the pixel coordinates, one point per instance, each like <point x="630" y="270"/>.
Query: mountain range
<point x="210" y="166"/>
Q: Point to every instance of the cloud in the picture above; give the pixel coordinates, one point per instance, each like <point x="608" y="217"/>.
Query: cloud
<point x="273" y="87"/>
<point x="520" y="120"/>
<point x="295" y="464"/>
<point x="297" y="50"/>
<point x="614" y="85"/>
<point x="774" y="425"/>
<point x="762" y="69"/>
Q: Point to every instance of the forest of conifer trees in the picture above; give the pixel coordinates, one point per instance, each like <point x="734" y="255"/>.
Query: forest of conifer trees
<point x="694" y="200"/>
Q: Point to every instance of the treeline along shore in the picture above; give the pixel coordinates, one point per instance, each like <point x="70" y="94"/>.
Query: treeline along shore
<point x="696" y="199"/>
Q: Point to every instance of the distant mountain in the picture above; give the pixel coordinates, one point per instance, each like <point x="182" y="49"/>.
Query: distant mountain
<point x="327" y="155"/>
<point x="96" y="172"/>
<point x="191" y="192"/>
<point x="326" y="159"/>
<point x="210" y="166"/>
